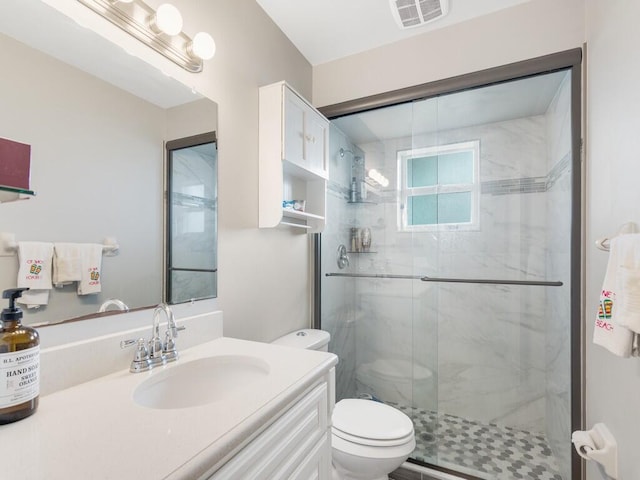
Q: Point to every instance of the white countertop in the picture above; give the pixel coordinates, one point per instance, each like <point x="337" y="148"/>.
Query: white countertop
<point x="95" y="430"/>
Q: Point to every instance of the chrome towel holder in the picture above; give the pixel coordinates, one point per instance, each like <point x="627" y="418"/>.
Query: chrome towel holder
<point x="604" y="243"/>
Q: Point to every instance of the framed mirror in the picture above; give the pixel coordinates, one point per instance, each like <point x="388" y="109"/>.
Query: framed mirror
<point x="191" y="223"/>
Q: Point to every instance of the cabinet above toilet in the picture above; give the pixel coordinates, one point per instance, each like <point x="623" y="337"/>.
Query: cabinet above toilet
<point x="293" y="160"/>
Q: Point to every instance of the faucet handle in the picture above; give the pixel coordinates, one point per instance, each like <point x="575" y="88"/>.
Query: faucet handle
<point x="130" y="342"/>
<point x="173" y="327"/>
<point x="141" y="361"/>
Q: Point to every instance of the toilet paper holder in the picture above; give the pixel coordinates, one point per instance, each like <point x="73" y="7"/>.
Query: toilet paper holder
<point x="599" y="445"/>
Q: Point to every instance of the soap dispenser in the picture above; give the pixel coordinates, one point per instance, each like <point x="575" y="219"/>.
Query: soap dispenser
<point x="19" y="363"/>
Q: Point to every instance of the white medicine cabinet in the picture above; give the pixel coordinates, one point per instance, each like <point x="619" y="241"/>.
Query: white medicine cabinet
<point x="293" y="160"/>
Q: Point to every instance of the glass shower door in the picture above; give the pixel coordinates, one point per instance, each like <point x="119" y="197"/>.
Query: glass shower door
<point x="454" y="308"/>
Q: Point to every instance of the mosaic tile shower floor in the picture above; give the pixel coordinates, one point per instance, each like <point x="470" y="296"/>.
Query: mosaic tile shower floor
<point x="486" y="451"/>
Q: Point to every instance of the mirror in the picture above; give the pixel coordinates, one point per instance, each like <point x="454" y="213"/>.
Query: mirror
<point x="192" y="219"/>
<point x="97" y="152"/>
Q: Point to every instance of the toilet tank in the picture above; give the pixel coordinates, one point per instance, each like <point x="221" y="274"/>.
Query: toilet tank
<point x="307" y="338"/>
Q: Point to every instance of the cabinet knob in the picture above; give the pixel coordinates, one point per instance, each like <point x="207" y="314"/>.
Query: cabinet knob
<point x="310" y="138"/>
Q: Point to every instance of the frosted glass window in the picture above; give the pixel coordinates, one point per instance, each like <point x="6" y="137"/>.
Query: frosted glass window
<point x="447" y="168"/>
<point x="439" y="186"/>
<point x="446" y="208"/>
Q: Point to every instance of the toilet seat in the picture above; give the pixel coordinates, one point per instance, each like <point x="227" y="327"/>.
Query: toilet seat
<point x="371" y="442"/>
<point x="371" y="423"/>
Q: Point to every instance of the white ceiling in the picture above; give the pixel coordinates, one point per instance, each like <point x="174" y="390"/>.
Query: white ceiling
<point x="326" y="30"/>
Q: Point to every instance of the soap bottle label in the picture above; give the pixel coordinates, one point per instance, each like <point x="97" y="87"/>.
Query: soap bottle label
<point x="19" y="376"/>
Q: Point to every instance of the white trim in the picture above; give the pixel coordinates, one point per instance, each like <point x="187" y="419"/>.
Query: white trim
<point x="474" y="187"/>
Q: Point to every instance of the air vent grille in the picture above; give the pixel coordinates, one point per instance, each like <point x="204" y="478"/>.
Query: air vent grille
<point x="413" y="13"/>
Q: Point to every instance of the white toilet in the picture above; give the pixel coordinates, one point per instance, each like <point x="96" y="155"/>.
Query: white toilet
<point x="368" y="439"/>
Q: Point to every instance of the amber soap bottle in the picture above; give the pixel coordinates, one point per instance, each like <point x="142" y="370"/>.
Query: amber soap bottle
<point x="19" y="363"/>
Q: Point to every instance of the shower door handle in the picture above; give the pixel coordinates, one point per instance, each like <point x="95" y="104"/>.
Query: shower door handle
<point x="423" y="278"/>
<point x="491" y="281"/>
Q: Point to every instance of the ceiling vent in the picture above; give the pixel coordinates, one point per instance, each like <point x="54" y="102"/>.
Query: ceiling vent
<point x="413" y="13"/>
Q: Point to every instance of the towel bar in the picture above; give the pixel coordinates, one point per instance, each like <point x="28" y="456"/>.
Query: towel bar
<point x="9" y="246"/>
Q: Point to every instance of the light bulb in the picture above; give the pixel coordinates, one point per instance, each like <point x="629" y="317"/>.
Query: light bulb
<point x="167" y="19"/>
<point x="203" y="46"/>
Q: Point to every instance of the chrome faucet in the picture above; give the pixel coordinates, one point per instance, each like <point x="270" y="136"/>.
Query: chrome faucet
<point x="155" y="343"/>
<point x="169" y="352"/>
<point x="154" y="352"/>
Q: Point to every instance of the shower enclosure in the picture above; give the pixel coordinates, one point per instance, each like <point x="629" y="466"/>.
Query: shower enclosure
<point x="449" y="268"/>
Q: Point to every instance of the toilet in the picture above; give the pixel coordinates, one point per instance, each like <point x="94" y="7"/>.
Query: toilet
<point x="369" y="439"/>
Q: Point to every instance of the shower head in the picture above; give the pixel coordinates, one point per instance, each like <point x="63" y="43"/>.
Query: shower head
<point x="343" y="151"/>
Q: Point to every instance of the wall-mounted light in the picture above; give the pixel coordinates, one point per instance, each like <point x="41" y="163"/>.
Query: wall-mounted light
<point x="167" y="19"/>
<point x="160" y="29"/>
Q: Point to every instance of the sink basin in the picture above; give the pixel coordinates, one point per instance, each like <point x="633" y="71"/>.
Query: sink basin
<point x="201" y="381"/>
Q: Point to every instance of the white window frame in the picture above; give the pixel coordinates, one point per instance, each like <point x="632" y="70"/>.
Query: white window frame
<point x="404" y="192"/>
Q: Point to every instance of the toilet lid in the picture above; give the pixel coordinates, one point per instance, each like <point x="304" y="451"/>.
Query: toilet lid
<point x="370" y="420"/>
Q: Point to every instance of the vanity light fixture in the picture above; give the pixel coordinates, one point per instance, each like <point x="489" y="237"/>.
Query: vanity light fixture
<point x="160" y="29"/>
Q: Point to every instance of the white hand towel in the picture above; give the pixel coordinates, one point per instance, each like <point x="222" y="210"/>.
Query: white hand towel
<point x="91" y="265"/>
<point x="607" y="332"/>
<point x="34" y="298"/>
<point x="628" y="275"/>
<point x="34" y="272"/>
<point x="67" y="263"/>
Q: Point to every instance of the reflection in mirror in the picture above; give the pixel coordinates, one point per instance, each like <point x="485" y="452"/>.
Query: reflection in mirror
<point x="97" y="155"/>
<point x="192" y="206"/>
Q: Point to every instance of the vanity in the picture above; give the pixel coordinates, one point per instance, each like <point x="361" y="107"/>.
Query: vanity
<point x="226" y="409"/>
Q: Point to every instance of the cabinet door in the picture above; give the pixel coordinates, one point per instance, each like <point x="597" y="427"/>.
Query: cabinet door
<point x="294" y="135"/>
<point x="316" y="140"/>
<point x="278" y="451"/>
<point x="317" y="465"/>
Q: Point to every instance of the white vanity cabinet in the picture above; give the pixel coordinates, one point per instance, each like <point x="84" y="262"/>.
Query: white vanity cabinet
<point x="296" y="446"/>
<point x="293" y="165"/>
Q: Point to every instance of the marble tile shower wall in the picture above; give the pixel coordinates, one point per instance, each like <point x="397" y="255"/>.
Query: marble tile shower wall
<point x="558" y="265"/>
<point x="495" y="338"/>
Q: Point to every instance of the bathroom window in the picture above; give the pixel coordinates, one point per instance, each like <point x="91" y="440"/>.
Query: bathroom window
<point x="439" y="187"/>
